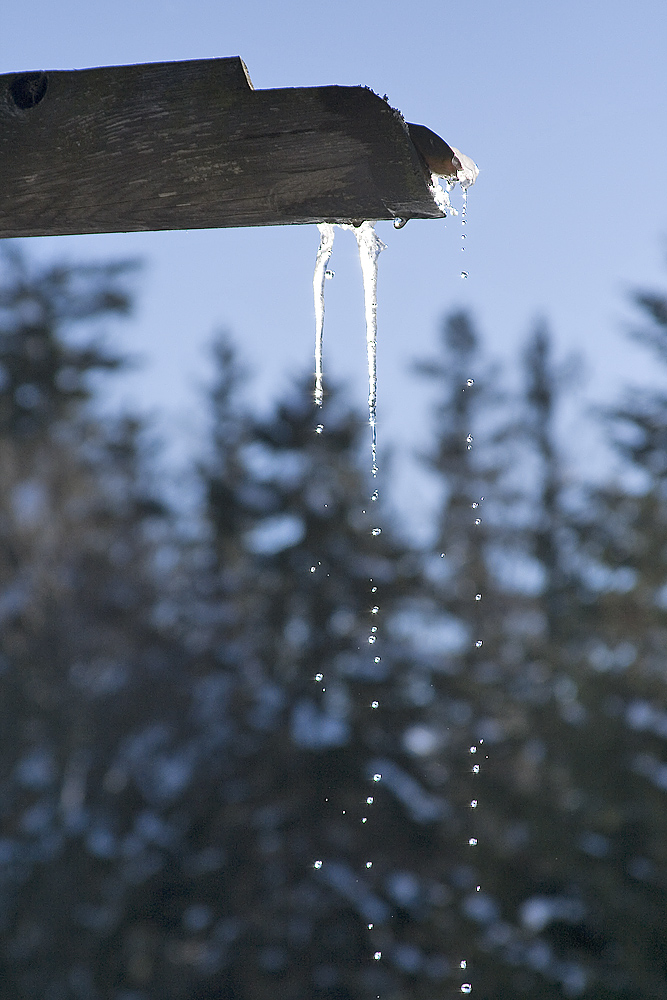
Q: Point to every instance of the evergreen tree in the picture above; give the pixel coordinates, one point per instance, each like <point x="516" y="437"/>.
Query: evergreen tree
<point x="78" y="649"/>
<point x="320" y="586"/>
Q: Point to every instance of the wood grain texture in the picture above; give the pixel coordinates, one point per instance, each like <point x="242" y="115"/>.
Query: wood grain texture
<point x="192" y="145"/>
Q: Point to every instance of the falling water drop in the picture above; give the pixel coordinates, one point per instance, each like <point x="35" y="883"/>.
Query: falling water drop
<point x="466" y="988"/>
<point x="374" y="495"/>
<point x="369" y="800"/>
<point x="473" y="841"/>
<point x="377" y="777"/>
<point x="377" y="659"/>
<point x="478" y="597"/>
<point x="475" y="769"/>
<point x="478" y="643"/>
<point x="317" y="864"/>
<point x="377" y="956"/>
<point x="319" y="677"/>
<point x="374" y="610"/>
<point x="369" y="864"/>
<point x="321" y="261"/>
<point x="473" y="804"/>
<point x="463" y="964"/>
<point x="319" y="429"/>
<point x="478" y="520"/>
<point x="376" y="531"/>
<point x="329" y="275"/>
<point x="464" y="275"/>
<point x="375" y="704"/>
<point x="470" y="381"/>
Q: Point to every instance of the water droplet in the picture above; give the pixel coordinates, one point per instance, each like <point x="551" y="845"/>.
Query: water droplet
<point x="473" y="749"/>
<point x="317" y="864"/>
<point x="470" y="439"/>
<point x="377" y="659"/>
<point x="442" y="555"/>
<point x="372" y="639"/>
<point x="374" y="495"/>
<point x="376" y="531"/>
<point x="478" y="520"/>
<point x="377" y="777"/>
<point x="374" y="610"/>
<point x="470" y="381"/>
<point x="475" y="769"/>
<point x="370" y="927"/>
<point x="313" y="568"/>
<point x="364" y="819"/>
<point x="369" y="800"/>
<point x="373" y="590"/>
<point x="475" y="505"/>
<point x="478" y="597"/>
<point x="369" y="864"/>
<point x="375" y="704"/>
<point x="319" y="677"/>
<point x="399" y="223"/>
<point x="477" y="888"/>
<point x="464" y="275"/>
<point x="473" y="804"/>
<point x="329" y="275"/>
<point x="478" y="643"/>
<point x="466" y="988"/>
<point x="374" y="628"/>
<point x="473" y="841"/>
<point x="377" y="956"/>
<point x="463" y="964"/>
<point x="319" y="428"/>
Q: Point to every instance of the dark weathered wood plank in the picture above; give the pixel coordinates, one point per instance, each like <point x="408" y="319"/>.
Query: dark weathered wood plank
<point x="192" y="145"/>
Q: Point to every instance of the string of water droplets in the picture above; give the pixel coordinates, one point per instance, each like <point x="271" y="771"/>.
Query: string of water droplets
<point x="464" y="209"/>
<point x="474" y="748"/>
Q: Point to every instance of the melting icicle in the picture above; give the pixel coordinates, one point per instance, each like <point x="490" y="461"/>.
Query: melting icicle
<point x="370" y="247"/>
<point x="319" y="277"/>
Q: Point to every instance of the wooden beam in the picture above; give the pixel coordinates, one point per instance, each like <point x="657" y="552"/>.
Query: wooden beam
<point x="191" y="145"/>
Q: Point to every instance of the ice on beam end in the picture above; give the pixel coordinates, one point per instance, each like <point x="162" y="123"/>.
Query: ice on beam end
<point x="190" y="145"/>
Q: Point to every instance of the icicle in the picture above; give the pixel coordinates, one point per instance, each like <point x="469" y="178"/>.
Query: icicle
<point x="319" y="277"/>
<point x="468" y="171"/>
<point x="370" y="247"/>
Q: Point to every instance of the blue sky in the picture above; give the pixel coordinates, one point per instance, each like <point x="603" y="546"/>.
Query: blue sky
<point x="561" y="105"/>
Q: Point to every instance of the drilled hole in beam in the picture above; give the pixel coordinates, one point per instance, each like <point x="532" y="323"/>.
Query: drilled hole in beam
<point x="28" y="90"/>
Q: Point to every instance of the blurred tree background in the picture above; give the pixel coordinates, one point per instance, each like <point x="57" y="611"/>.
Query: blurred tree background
<point x="242" y="757"/>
